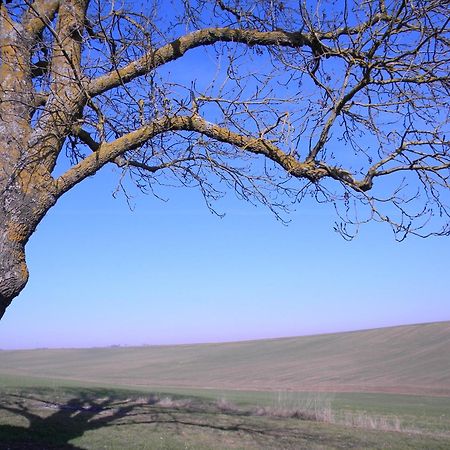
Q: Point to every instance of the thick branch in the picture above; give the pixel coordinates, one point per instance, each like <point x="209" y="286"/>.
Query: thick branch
<point x="179" y="47"/>
<point x="108" y="152"/>
<point x="66" y="100"/>
<point x="15" y="91"/>
<point x="39" y="15"/>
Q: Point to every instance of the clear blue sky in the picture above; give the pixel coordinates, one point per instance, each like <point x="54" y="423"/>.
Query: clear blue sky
<point x="174" y="273"/>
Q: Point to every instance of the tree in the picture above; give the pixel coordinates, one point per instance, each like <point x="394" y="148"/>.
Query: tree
<point x="346" y="102"/>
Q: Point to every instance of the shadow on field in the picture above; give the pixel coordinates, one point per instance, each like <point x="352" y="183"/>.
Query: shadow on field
<point x="52" y="426"/>
<point x="35" y="422"/>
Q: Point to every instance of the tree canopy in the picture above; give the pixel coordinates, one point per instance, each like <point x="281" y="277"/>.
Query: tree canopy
<point x="344" y="101"/>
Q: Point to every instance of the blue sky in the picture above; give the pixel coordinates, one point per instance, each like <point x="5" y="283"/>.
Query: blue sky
<point x="174" y="273"/>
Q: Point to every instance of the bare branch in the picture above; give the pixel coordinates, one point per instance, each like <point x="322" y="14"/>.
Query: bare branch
<point x="179" y="47"/>
<point x="108" y="152"/>
<point x="38" y="16"/>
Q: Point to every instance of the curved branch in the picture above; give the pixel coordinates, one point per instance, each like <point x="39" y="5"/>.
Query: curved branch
<point x="179" y="47"/>
<point x="109" y="151"/>
<point x="39" y="15"/>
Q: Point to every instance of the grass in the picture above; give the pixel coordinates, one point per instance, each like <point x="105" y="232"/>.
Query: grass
<point x="411" y="359"/>
<point x="80" y="417"/>
<point x="414" y="413"/>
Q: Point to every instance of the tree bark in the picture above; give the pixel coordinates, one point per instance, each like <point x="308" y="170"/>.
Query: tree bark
<point x="13" y="268"/>
<point x="22" y="208"/>
<point x="26" y="186"/>
<point x="27" y="192"/>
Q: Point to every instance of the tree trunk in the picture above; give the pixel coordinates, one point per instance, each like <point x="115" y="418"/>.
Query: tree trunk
<point x="23" y="204"/>
<point x="13" y="268"/>
<point x="16" y="226"/>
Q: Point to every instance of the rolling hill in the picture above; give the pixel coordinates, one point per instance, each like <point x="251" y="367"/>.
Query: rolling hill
<point x="412" y="359"/>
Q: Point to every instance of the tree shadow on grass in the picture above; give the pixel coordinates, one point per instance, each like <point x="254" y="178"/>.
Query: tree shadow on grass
<point x="44" y="421"/>
<point x="52" y="424"/>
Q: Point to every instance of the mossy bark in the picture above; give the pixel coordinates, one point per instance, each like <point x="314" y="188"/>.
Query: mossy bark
<point x="22" y="207"/>
<point x="13" y="270"/>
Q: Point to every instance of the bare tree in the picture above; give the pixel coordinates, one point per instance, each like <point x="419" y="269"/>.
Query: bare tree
<point x="346" y="102"/>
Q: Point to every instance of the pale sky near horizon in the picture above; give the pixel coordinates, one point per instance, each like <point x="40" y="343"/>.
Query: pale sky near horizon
<point x="171" y="272"/>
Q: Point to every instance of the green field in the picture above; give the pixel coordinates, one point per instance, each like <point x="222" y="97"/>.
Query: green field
<point x="411" y="359"/>
<point x="391" y="391"/>
<point x="43" y="414"/>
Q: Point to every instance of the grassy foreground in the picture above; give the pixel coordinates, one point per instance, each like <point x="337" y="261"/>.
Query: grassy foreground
<point x="45" y="414"/>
